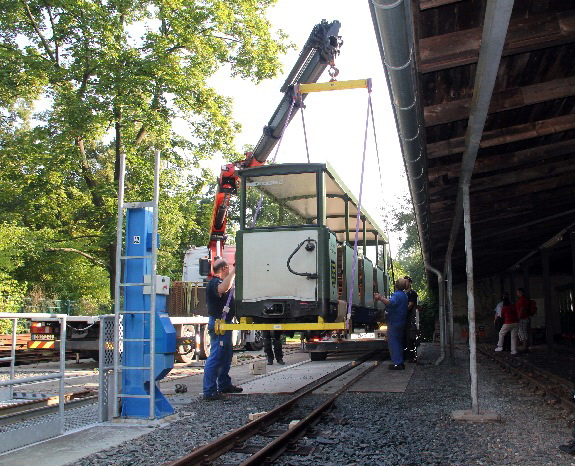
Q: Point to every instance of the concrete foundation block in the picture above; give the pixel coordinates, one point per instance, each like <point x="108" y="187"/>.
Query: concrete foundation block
<point x="258" y="367"/>
<point x="469" y="416"/>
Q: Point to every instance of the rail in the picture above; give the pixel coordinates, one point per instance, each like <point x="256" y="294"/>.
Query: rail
<point x="557" y="388"/>
<point x="273" y="450"/>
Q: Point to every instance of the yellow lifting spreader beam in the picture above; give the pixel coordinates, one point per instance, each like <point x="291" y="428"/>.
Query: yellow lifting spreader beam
<point x="333" y="86"/>
<point x="246" y="323"/>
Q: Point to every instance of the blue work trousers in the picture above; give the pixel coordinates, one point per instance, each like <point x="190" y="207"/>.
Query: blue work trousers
<point x="395" y="342"/>
<point x="217" y="368"/>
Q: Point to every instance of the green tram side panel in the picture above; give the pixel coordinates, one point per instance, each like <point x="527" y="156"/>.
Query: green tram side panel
<point x="381" y="289"/>
<point x="261" y="258"/>
<point x="368" y="300"/>
<point x="355" y="301"/>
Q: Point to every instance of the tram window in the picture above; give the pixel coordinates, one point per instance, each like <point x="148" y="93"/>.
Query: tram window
<point x="287" y="200"/>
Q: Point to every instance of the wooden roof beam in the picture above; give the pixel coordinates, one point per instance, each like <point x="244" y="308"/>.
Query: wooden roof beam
<point x="486" y="163"/>
<point x="503" y="100"/>
<point x="504" y="135"/>
<point x="494" y="224"/>
<point x="524" y="35"/>
<point x="499" y="179"/>
<point x="503" y="208"/>
<point x="562" y="180"/>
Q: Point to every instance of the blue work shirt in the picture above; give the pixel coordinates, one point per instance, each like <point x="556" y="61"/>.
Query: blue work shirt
<point x="396" y="310"/>
<point x="216" y="303"/>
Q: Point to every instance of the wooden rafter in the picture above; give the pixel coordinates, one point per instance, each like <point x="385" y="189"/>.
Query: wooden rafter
<point x="503" y="161"/>
<point x="503" y="100"/>
<point x="505" y="135"/>
<point x="524" y="35"/>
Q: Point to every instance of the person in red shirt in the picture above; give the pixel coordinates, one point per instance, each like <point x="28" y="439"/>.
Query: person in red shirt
<point x="522" y="307"/>
<point x="510" y="320"/>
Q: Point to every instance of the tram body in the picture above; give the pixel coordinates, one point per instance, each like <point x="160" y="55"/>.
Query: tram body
<point x="295" y="261"/>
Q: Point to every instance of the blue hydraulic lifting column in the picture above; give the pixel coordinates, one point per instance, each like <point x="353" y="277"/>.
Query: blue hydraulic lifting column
<point x="149" y="338"/>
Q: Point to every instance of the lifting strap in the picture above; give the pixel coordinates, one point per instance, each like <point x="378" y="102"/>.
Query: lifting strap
<point x="304" y="133"/>
<point x="358" y="216"/>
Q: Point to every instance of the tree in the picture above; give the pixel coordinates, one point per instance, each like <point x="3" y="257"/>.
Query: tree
<point x="112" y="77"/>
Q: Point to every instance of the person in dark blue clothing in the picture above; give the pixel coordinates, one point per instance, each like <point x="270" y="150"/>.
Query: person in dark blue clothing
<point x="395" y="318"/>
<point x="216" y="371"/>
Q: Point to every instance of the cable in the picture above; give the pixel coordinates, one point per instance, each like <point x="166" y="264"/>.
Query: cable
<point x="309" y="247"/>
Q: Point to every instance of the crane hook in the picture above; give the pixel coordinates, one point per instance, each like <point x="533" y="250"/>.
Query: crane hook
<point x="333" y="72"/>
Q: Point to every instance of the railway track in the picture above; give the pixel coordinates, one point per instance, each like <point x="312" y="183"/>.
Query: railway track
<point x="28" y="409"/>
<point x="285" y="440"/>
<point x="558" y="388"/>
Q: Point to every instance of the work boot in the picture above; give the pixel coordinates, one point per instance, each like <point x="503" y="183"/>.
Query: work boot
<point x="270" y="362"/>
<point x="232" y="389"/>
<point x="396" y="367"/>
<point x="281" y="362"/>
<point x="215" y="397"/>
<point x="569" y="448"/>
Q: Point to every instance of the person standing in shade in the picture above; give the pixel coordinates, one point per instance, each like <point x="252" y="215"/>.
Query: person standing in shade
<point x="276" y="348"/>
<point x="522" y="307"/>
<point x="396" y="314"/>
<point x="410" y="342"/>
<point x="498" y="322"/>
<point x="216" y="371"/>
<point x="509" y="315"/>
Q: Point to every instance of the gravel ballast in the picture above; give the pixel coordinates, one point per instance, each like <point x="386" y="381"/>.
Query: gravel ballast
<point x="414" y="427"/>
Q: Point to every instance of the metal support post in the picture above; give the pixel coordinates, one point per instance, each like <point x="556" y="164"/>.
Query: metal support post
<point x="364" y="230"/>
<point x="13" y="355"/>
<point x="470" y="300"/>
<point x="153" y="286"/>
<point x="118" y="279"/>
<point x="450" y="313"/>
<point x="61" y="389"/>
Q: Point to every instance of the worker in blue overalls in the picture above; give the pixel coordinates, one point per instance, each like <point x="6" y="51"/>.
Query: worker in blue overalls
<point x="216" y="371"/>
<point x="395" y="318"/>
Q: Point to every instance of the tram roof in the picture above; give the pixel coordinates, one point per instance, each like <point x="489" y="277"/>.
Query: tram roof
<point x="522" y="190"/>
<point x="335" y="195"/>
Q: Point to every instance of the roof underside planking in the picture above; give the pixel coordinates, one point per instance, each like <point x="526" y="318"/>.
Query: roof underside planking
<point x="523" y="185"/>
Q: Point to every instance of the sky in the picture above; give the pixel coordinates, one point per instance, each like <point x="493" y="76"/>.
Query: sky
<point x="335" y="121"/>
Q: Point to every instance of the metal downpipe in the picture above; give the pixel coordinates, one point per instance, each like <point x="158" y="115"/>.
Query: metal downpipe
<point x="396" y="45"/>
<point x="441" y="304"/>
<point x="395" y="39"/>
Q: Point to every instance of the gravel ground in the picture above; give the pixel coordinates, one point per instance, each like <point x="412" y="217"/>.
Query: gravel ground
<point x="414" y="427"/>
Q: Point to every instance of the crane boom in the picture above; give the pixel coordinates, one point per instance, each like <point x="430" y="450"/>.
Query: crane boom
<point x="319" y="52"/>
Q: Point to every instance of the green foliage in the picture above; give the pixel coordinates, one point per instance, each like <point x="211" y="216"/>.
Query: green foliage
<point x="12" y="252"/>
<point x="6" y="327"/>
<point x="113" y="77"/>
